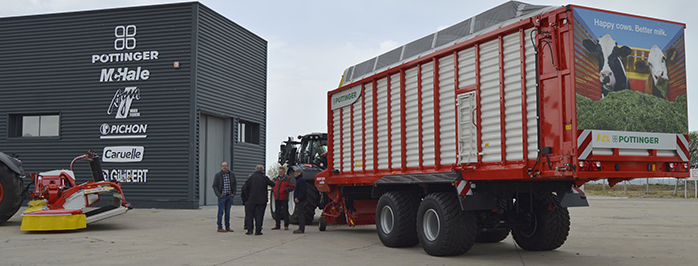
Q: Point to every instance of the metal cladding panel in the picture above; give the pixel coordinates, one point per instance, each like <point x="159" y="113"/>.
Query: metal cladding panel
<point x="346" y="139"/>
<point x="109" y="75"/>
<point x="427" y="114"/>
<point x="336" y="129"/>
<point x="231" y="82"/>
<point x="513" y="117"/>
<point x="382" y="131"/>
<point x="395" y="123"/>
<point x="531" y="98"/>
<point x="412" y="117"/>
<point x="466" y="68"/>
<point x="447" y="111"/>
<point x="490" y="102"/>
<point x="368" y="118"/>
<point x="357" y="139"/>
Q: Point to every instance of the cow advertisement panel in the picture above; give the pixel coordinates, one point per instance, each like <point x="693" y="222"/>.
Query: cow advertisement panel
<point x="630" y="73"/>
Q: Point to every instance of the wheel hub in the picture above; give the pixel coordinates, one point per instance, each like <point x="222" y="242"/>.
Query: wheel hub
<point x="387" y="219"/>
<point x="432" y="225"/>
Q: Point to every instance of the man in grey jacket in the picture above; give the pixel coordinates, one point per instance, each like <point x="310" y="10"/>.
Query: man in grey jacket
<point x="224" y="186"/>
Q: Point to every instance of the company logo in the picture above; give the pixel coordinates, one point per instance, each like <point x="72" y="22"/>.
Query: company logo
<point x="125" y="175"/>
<point x="122" y="154"/>
<point x="125" y="37"/>
<point x="121" y="103"/>
<point x="602" y="138"/>
<point x="123" y="74"/>
<point x="635" y="139"/>
<point x="123" y="131"/>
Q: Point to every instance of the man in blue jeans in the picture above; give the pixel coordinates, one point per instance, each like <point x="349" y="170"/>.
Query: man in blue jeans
<point x="224" y="186"/>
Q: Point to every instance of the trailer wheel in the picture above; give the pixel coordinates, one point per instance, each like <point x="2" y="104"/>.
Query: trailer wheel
<point x="491" y="236"/>
<point x="396" y="219"/>
<point x="322" y="223"/>
<point x="443" y="228"/>
<point x="310" y="205"/>
<point x="549" y="224"/>
<point x="10" y="193"/>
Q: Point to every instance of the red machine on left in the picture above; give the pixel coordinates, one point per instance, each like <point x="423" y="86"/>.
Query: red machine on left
<point x="58" y="203"/>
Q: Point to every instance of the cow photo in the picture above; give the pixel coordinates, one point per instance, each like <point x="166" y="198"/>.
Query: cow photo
<point x="623" y="61"/>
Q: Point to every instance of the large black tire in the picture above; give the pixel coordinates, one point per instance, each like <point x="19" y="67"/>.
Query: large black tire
<point x="491" y="236"/>
<point x="549" y="226"/>
<point x="396" y="219"/>
<point x="272" y="204"/>
<point x="310" y="205"/>
<point x="10" y="193"/>
<point x="443" y="228"/>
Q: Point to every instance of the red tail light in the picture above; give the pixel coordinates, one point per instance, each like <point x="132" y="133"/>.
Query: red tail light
<point x="677" y="167"/>
<point x="589" y="166"/>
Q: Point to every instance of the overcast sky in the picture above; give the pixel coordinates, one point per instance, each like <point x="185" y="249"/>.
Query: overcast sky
<point x="311" y="42"/>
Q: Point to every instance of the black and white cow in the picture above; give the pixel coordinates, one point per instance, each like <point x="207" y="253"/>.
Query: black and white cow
<point x="611" y="70"/>
<point x="657" y="64"/>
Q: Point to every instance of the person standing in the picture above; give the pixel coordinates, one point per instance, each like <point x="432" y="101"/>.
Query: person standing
<point x="224" y="186"/>
<point x="255" y="194"/>
<point x="299" y="197"/>
<point x="282" y="187"/>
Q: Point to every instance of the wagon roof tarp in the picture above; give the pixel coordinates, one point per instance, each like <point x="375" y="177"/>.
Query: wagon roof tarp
<point x="490" y="20"/>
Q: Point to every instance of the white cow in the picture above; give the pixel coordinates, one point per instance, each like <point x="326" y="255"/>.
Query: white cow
<point x="657" y="65"/>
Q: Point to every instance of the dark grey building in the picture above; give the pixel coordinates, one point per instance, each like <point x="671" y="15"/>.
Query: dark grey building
<point x="163" y="93"/>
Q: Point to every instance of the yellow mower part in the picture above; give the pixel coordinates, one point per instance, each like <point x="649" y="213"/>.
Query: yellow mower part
<point x="35" y="205"/>
<point x="53" y="222"/>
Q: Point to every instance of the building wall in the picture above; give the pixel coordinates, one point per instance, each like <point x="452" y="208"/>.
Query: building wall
<point x="52" y="64"/>
<point x="231" y="83"/>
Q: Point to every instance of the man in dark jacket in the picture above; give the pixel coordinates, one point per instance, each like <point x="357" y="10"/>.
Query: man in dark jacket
<point x="255" y="196"/>
<point x="282" y="186"/>
<point x="299" y="197"/>
<point x="224" y="186"/>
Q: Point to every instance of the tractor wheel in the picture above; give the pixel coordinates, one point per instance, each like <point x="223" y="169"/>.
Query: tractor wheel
<point x="549" y="224"/>
<point x="10" y="193"/>
<point x="272" y="204"/>
<point x="322" y="223"/>
<point x="310" y="205"/>
<point x="396" y="219"/>
<point x="491" y="236"/>
<point x="443" y="228"/>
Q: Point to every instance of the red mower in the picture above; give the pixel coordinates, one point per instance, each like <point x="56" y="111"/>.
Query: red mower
<point x="58" y="202"/>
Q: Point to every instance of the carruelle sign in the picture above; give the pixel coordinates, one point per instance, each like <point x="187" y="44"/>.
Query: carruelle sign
<point x="122" y="154"/>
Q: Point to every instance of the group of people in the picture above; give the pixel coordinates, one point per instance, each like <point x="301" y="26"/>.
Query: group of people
<point x="254" y="197"/>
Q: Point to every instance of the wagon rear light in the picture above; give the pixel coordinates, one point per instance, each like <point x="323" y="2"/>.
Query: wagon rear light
<point x="677" y="167"/>
<point x="589" y="166"/>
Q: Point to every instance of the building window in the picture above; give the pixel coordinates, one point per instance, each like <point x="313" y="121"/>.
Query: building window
<point x="248" y="132"/>
<point x="34" y="125"/>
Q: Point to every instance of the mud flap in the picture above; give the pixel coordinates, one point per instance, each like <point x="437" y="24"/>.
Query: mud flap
<point x="575" y="197"/>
